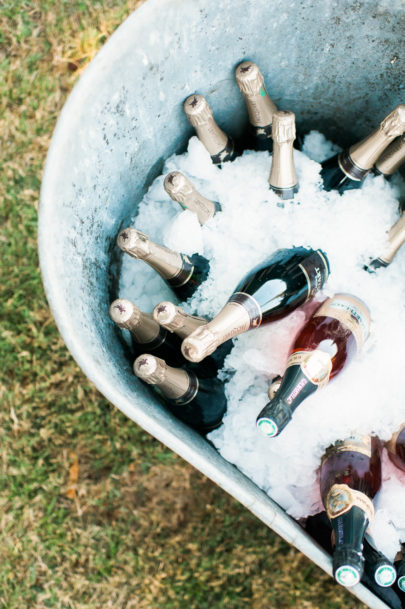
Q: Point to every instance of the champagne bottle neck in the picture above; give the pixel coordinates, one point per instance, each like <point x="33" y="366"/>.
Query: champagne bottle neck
<point x="282" y="173"/>
<point x="395" y="240"/>
<point x="174" y="384"/>
<point x="365" y="153"/>
<point x="392" y="158"/>
<point x="176" y="320"/>
<point x="143" y="327"/>
<point x="251" y="84"/>
<point x="306" y="372"/>
<point x="349" y="529"/>
<point x="146" y="330"/>
<point x="231" y="321"/>
<point x="181" y="190"/>
<point x="260" y="108"/>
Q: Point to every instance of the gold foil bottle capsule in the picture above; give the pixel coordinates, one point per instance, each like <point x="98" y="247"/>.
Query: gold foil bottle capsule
<point x="174" y="383"/>
<point x="182" y="273"/>
<point x="175" y="319"/>
<point x="259" y="105"/>
<point x="219" y="145"/>
<point x="142" y="326"/>
<point x="360" y="158"/>
<point x="395" y="240"/>
<point x="230" y="321"/>
<point x="180" y="189"/>
<point x="392" y="158"/>
<point x="283" y="178"/>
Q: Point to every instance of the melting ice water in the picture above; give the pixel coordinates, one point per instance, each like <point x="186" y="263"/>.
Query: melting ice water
<point x="369" y="396"/>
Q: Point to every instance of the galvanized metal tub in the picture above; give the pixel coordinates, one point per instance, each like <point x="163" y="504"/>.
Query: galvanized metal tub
<point x="337" y="65"/>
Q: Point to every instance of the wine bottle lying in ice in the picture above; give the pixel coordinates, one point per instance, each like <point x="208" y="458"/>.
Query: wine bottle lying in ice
<point x="322" y="348"/>
<point x="269" y="292"/>
<point x="184" y="274"/>
<point x="350" y="476"/>
<point x="379" y="570"/>
<point x="201" y="403"/>
<point x="391" y="159"/>
<point x="348" y="169"/>
<point x="396" y="448"/>
<point x="259" y="105"/>
<point x="220" y="146"/>
<point x="180" y="189"/>
<point x="395" y="240"/>
<point x="283" y="178"/>
<point x="146" y="334"/>
<point x="176" y="320"/>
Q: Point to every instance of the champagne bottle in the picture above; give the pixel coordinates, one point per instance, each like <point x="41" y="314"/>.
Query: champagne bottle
<point x="180" y="189"/>
<point x="269" y="292"/>
<point x="377" y="566"/>
<point x="146" y="333"/>
<point x="391" y="159"/>
<point x="201" y="403"/>
<point x="350" y="476"/>
<point x="379" y="571"/>
<point x="395" y="240"/>
<point x="184" y="274"/>
<point x="396" y="449"/>
<point x="283" y="179"/>
<point x="348" y="169"/>
<point x="322" y="348"/>
<point x="259" y="105"/>
<point x="177" y="320"/>
<point x="220" y="146"/>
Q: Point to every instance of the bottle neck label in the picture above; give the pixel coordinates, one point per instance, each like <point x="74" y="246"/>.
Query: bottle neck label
<point x="316" y="367"/>
<point x="341" y="498"/>
<point x="184" y="273"/>
<point x="191" y="392"/>
<point x="251" y="306"/>
<point x="350" y="169"/>
<point x="316" y="270"/>
<point x="355" y="443"/>
<point x="352" y="313"/>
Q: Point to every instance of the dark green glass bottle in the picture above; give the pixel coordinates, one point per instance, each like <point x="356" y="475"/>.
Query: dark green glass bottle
<point x="201" y="403"/>
<point x="350" y="476"/>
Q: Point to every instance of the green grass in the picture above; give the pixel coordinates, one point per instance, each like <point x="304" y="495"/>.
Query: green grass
<point x="93" y="511"/>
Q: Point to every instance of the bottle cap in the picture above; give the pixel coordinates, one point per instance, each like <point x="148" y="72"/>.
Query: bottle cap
<point x="150" y="369"/>
<point x="164" y="313"/>
<point x="124" y="313"/>
<point x="177" y="186"/>
<point x="199" y="344"/>
<point x="394" y="123"/>
<point x="348" y="567"/>
<point x="267" y="427"/>
<point x="283" y="129"/>
<point x="133" y="242"/>
<point x="249" y="78"/>
<point x="197" y="110"/>
<point x="401" y="583"/>
<point x="274" y="417"/>
<point x="385" y="575"/>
